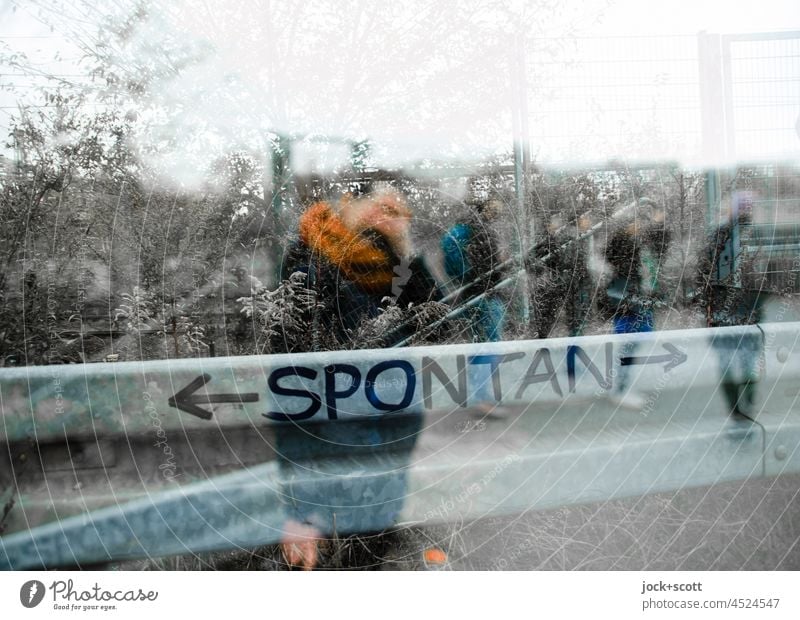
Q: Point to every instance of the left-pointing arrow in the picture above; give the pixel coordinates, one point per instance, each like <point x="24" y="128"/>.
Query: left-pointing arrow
<point x="186" y="400"/>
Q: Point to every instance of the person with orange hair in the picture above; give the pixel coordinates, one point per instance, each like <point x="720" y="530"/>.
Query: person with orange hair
<point x="355" y="254"/>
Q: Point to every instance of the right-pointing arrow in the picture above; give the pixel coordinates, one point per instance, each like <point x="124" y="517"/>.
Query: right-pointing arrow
<point x="674" y="357"/>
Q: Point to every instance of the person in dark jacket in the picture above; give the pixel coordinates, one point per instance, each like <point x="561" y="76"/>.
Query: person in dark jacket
<point x="726" y="285"/>
<point x="632" y="291"/>
<point x="471" y="250"/>
<point x="635" y="253"/>
<point x="576" y="258"/>
<point x="732" y="294"/>
<point x="551" y="277"/>
<point x="355" y="255"/>
<point x="563" y="279"/>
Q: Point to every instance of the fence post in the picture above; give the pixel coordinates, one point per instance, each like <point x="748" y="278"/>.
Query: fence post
<point x="714" y="75"/>
<point x="519" y="116"/>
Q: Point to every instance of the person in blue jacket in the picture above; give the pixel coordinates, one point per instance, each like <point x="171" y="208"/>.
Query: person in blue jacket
<point x="470" y="249"/>
<point x="634" y="253"/>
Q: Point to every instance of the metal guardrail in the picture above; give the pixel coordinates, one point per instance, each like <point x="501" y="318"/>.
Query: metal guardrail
<point x="112" y="461"/>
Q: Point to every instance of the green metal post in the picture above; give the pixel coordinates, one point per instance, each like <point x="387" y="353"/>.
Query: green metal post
<point x="713" y="199"/>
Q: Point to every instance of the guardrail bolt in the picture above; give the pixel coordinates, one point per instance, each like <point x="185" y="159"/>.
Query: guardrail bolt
<point x="782" y="354"/>
<point x="780" y="453"/>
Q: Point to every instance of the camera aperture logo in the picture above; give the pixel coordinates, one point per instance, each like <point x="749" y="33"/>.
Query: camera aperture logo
<point x="67" y="597"/>
<point x="31" y="593"/>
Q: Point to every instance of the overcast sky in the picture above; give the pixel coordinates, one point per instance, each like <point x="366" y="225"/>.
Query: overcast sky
<point x="601" y="80"/>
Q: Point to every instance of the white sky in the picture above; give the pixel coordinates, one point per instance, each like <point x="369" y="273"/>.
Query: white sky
<point x="597" y="85"/>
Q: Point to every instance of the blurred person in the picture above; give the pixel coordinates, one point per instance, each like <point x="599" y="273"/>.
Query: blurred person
<point x="656" y="243"/>
<point x="565" y="280"/>
<point x="631" y="292"/>
<point x="551" y="281"/>
<point x="471" y="249"/>
<point x="577" y="257"/>
<point x="730" y="294"/>
<point x="355" y="254"/>
<point x="326" y="491"/>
